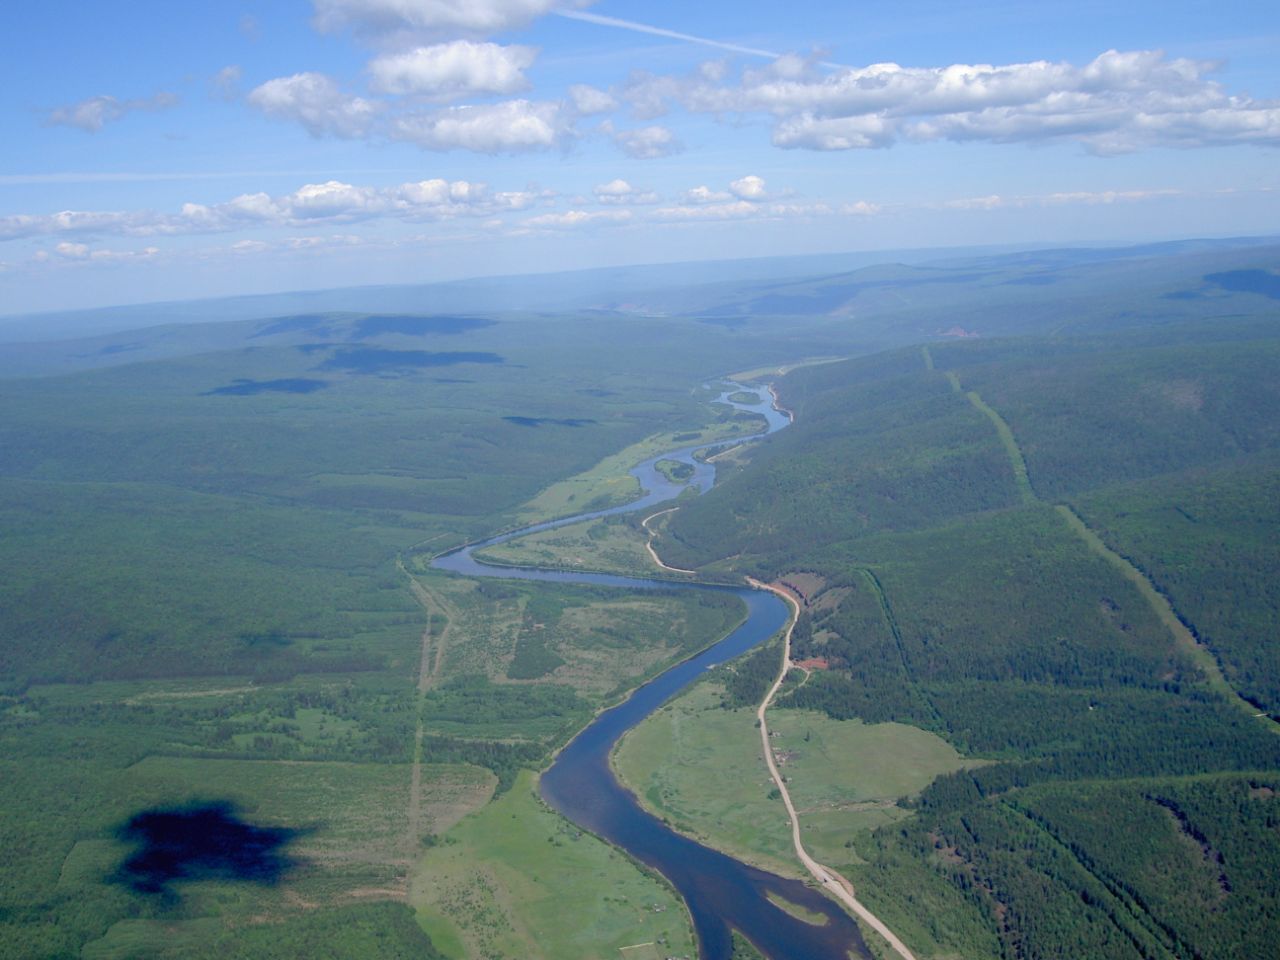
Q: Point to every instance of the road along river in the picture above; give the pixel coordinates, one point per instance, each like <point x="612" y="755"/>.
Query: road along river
<point x="722" y="893"/>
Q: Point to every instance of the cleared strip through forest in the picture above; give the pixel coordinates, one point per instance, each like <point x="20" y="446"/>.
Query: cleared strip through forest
<point x="1183" y="636"/>
<point x="1201" y="655"/>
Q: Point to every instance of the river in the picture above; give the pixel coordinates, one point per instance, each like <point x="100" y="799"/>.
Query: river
<point x="722" y="893"/>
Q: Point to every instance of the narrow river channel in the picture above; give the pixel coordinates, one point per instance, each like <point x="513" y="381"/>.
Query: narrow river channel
<point x="722" y="893"/>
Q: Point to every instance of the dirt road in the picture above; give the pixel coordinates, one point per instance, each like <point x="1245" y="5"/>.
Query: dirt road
<point x="832" y="882"/>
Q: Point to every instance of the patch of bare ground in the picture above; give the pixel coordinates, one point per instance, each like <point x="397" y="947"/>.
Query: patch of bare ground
<point x="805" y="586"/>
<point x="378" y="893"/>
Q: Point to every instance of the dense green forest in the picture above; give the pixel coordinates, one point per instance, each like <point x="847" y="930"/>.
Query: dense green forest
<point x="1131" y="810"/>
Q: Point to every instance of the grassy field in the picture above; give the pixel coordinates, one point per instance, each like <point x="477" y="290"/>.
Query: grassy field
<point x="517" y="881"/>
<point x="613" y="545"/>
<point x="845" y="776"/>
<point x="666" y="761"/>
<point x="596" y="641"/>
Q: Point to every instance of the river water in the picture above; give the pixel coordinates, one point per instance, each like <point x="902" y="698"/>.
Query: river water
<point x="722" y="893"/>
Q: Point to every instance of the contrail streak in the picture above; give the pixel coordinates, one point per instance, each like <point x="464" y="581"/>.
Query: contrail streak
<point x="660" y="32"/>
<point x="634" y="27"/>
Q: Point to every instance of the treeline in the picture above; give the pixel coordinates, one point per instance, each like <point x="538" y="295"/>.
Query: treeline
<point x="506" y="760"/>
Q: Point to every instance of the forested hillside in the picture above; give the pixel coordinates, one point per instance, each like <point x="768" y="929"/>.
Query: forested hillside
<point x="1059" y="553"/>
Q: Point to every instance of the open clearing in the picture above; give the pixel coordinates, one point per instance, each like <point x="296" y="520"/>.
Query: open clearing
<point x="517" y="881"/>
<point x="596" y="640"/>
<point x="596" y="545"/>
<point x="844" y="776"/>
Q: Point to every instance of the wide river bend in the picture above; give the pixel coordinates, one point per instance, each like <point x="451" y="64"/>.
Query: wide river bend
<point x="722" y="893"/>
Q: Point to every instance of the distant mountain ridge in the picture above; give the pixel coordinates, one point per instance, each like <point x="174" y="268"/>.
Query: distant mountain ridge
<point x="611" y="286"/>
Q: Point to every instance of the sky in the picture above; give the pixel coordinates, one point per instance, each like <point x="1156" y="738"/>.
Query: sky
<point x="158" y="151"/>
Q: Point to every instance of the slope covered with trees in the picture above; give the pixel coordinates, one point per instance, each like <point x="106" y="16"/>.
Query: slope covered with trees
<point x="1131" y="807"/>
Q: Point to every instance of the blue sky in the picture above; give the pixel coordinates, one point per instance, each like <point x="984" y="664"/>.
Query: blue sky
<point x="160" y="151"/>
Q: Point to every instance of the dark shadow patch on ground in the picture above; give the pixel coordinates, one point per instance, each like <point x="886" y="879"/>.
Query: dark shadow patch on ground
<point x="320" y="324"/>
<point x="540" y="421"/>
<point x="245" y="388"/>
<point x="1262" y="282"/>
<point x="110" y="350"/>
<point x="376" y="360"/>
<point x="416" y="326"/>
<point x="205" y="841"/>
<point x="355" y="326"/>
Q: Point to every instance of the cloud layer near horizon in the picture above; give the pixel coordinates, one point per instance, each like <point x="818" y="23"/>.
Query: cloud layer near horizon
<point x="1118" y="102"/>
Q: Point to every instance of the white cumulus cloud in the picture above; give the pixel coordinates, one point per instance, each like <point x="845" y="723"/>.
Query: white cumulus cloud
<point x="704" y="194"/>
<point x="1119" y="101"/>
<point x="330" y="202"/>
<point x="588" y="100"/>
<point x="316" y="102"/>
<point x="749" y="187"/>
<point x="621" y="192"/>
<point x="448" y="70"/>
<point x="513" y="126"/>
<point x="647" y="143"/>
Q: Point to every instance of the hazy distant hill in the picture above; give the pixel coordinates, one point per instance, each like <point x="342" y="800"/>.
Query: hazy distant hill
<point x="578" y="289"/>
<point x="843" y="304"/>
